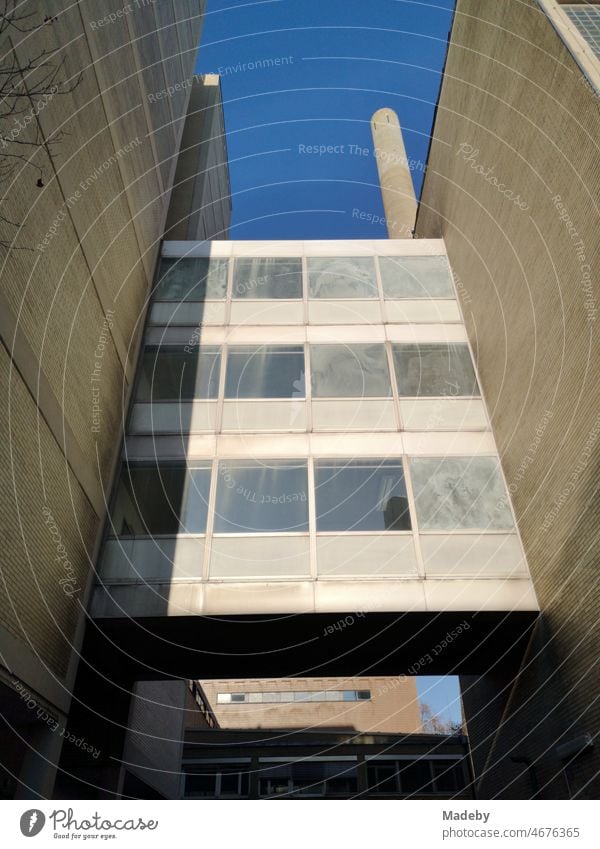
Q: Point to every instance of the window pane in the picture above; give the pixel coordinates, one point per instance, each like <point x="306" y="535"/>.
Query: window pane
<point x="342" y="277"/>
<point x="587" y="21"/>
<point x="434" y="370"/>
<point x="363" y="695"/>
<point x="350" y="371"/>
<point x="260" y="277"/>
<point x="255" y="497"/>
<point x="361" y="495"/>
<point x="200" y="785"/>
<point x="448" y="776"/>
<point x="168" y="374"/>
<point x="167" y="499"/>
<point x="415" y="277"/>
<point x="415" y="777"/>
<point x="265" y="372"/>
<point x="191" y="279"/>
<point x="460" y="492"/>
<point x="382" y="778"/>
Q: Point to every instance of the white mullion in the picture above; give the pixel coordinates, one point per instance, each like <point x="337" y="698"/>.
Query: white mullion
<point x="413" y="516"/>
<point x="394" y="383"/>
<point x="312" y="518"/>
<point x="210" y="519"/>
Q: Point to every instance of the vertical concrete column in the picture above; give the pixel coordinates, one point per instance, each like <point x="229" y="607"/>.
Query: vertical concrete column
<point x="38" y="770"/>
<point x="397" y="190"/>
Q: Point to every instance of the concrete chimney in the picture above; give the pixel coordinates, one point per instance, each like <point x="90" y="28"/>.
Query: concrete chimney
<point x="397" y="190"/>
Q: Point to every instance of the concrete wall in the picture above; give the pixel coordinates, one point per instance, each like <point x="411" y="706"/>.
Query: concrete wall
<point x="154" y="743"/>
<point x="512" y="185"/>
<point x="393" y="707"/>
<point x="201" y="202"/>
<point x="73" y="298"/>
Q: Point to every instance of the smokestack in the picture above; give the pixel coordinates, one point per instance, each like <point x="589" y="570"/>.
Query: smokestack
<point x="397" y="191"/>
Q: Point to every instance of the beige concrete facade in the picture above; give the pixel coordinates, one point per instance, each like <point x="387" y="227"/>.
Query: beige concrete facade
<point x="392" y="704"/>
<point x="73" y="298"/>
<point x="397" y="190"/>
<point x="512" y="185"/>
<point x="200" y="202"/>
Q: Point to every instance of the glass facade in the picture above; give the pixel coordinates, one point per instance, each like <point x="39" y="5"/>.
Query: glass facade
<point x="261" y="497"/>
<point x="168" y="373"/>
<point x="264" y="278"/>
<point x="291" y="696"/>
<point x="460" y="492"/>
<point x="308" y="452"/>
<point x="423" y="370"/>
<point x="156" y="499"/>
<point x="361" y="495"/>
<point x="341" y="277"/>
<point x="349" y="371"/>
<point x="265" y="372"/>
<point x="191" y="279"/>
<point x="415" y="277"/>
<point x="587" y="20"/>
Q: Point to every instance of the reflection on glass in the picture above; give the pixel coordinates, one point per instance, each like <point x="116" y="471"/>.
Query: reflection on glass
<point x="349" y="371"/>
<point x="460" y="493"/>
<point x="434" y="369"/>
<point x="342" y="277"/>
<point x="270" y="371"/>
<point x="161" y="499"/>
<point x="361" y="495"/>
<point x="267" y="277"/>
<point x="262" y="497"/>
<point x="170" y="373"/>
<point x="191" y="279"/>
<point x="415" y="277"/>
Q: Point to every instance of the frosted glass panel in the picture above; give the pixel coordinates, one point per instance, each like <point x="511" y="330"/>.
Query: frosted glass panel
<point x="171" y="373"/>
<point x="342" y="277"/>
<point x="260" y="557"/>
<point x="261" y="497"/>
<point x="366" y="555"/>
<point x="460" y="492"/>
<point x="261" y="415"/>
<point x="361" y="495"/>
<point x="415" y="277"/>
<point x="355" y="415"/>
<point x="429" y="369"/>
<point x="188" y="313"/>
<point x="350" y="371"/>
<point x="191" y="279"/>
<point x="266" y="277"/>
<point x="270" y="371"/>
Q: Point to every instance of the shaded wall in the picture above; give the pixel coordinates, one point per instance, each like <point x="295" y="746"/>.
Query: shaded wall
<point x="515" y="108"/>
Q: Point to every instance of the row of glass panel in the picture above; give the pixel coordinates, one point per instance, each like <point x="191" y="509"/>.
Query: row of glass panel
<point x="318" y="778"/>
<point x="257" y="497"/>
<point x="285" y="696"/>
<point x="260" y="278"/>
<point x="170" y="373"/>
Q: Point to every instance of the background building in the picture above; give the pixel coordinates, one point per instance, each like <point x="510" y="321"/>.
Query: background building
<point x="512" y="185"/>
<point x="360" y="704"/>
<point x="324" y="764"/>
<point x="88" y="201"/>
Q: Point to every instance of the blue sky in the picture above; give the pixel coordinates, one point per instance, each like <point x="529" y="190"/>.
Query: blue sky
<point x="339" y="61"/>
<point x="318" y="70"/>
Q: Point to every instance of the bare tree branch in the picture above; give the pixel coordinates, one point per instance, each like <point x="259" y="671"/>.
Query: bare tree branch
<point x="26" y="87"/>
